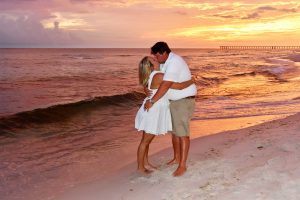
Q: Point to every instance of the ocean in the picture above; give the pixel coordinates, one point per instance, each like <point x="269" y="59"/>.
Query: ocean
<point x="67" y="115"/>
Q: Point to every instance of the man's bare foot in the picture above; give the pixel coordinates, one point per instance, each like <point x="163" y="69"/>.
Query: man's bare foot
<point x="172" y="162"/>
<point x="144" y="171"/>
<point x="179" y="171"/>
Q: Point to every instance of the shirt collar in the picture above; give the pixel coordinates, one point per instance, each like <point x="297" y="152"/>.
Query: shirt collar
<point x="162" y="66"/>
<point x="171" y="54"/>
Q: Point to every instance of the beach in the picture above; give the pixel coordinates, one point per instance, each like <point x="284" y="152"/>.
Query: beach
<point x="259" y="162"/>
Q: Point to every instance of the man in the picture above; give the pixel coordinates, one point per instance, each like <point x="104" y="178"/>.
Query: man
<point x="182" y="102"/>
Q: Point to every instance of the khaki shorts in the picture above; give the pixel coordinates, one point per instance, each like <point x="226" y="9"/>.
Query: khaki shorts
<point x="182" y="111"/>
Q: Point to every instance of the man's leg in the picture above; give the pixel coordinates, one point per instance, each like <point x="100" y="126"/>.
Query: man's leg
<point x="176" y="150"/>
<point x="182" y="112"/>
<point x="184" y="151"/>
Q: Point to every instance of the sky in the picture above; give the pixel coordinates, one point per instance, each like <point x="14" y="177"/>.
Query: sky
<point x="140" y="23"/>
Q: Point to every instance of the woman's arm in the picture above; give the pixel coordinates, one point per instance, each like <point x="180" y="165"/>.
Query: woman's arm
<point x="156" y="81"/>
<point x="182" y="85"/>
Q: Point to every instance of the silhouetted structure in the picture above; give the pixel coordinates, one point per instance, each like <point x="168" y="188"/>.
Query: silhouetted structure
<point x="258" y="47"/>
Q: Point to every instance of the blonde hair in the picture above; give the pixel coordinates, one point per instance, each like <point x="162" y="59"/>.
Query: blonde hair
<point x="145" y="69"/>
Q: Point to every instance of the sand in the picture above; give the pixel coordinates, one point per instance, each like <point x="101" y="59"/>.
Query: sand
<point x="260" y="162"/>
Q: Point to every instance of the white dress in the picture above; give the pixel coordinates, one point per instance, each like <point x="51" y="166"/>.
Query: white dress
<point x="157" y="120"/>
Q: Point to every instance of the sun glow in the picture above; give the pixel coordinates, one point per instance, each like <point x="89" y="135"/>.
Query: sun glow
<point x="256" y="28"/>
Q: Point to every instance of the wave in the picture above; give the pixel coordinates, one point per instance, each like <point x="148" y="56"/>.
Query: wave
<point x="124" y="55"/>
<point x="273" y="74"/>
<point x="78" y="56"/>
<point x="253" y="73"/>
<point x="294" y="57"/>
<point x="61" y="112"/>
<point x="282" y="65"/>
<point x="281" y="61"/>
<point x="208" y="81"/>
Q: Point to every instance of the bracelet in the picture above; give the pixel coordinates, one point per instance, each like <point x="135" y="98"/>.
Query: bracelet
<point x="151" y="101"/>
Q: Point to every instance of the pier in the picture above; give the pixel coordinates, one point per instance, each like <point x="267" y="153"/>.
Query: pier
<point x="259" y="47"/>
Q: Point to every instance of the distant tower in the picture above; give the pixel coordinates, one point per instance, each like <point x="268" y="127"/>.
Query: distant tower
<point x="56" y="25"/>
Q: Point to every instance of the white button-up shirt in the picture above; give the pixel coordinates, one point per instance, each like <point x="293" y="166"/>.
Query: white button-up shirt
<point x="176" y="70"/>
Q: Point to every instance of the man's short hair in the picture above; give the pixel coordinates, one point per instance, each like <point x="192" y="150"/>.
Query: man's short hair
<point x="160" y="47"/>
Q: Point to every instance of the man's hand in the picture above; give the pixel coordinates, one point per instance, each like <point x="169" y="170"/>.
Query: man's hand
<point x="148" y="105"/>
<point x="147" y="91"/>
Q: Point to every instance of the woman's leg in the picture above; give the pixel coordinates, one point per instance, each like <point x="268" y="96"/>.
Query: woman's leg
<point x="145" y="141"/>
<point x="146" y="159"/>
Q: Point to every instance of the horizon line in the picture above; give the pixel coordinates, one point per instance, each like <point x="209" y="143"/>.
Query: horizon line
<point x="104" y="47"/>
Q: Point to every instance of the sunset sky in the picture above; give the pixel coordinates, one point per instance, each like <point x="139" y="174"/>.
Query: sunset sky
<point x="140" y="23"/>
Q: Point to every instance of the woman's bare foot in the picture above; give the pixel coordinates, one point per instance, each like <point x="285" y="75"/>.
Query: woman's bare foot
<point x="144" y="171"/>
<point x="179" y="171"/>
<point x="150" y="166"/>
<point x="173" y="161"/>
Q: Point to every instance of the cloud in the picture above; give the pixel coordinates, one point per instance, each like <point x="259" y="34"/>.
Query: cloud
<point x="292" y="10"/>
<point x="249" y="16"/>
<point x="226" y="16"/>
<point x="270" y="8"/>
<point x="266" y="8"/>
<point x="28" y="31"/>
<point x="252" y="16"/>
<point x="181" y="12"/>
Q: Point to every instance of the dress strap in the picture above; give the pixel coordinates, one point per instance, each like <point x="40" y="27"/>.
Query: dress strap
<point x="151" y="77"/>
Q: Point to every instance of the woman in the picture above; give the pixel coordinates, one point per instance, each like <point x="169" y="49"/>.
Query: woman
<point x="157" y="120"/>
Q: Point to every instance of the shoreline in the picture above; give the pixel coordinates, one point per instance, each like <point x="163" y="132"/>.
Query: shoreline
<point x="220" y="166"/>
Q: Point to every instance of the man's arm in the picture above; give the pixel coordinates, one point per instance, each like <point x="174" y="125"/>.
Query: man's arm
<point x="162" y="90"/>
<point x="182" y="85"/>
